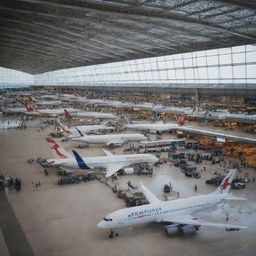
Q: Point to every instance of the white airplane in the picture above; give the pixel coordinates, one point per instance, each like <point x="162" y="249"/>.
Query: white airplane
<point x="177" y="213"/>
<point x="46" y="112"/>
<point x="110" y="162"/>
<point x="45" y="103"/>
<point x="109" y="139"/>
<point x="13" y="110"/>
<point x="89" y="115"/>
<point x="156" y="127"/>
<point x="84" y="128"/>
<point x="52" y="97"/>
<point x="30" y="99"/>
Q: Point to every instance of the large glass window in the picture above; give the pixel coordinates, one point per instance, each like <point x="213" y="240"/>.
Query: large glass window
<point x="219" y="66"/>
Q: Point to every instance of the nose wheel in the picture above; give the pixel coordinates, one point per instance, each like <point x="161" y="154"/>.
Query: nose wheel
<point x="112" y="234"/>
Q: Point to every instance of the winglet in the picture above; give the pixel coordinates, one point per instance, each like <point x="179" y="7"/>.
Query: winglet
<point x="149" y="195"/>
<point x="80" y="161"/>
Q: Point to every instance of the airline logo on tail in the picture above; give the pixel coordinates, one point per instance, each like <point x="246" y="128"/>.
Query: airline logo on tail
<point x="67" y="115"/>
<point x="63" y="128"/>
<point x="80" y="161"/>
<point x="29" y="108"/>
<point x="56" y="148"/>
<point x="225" y="183"/>
<point x="31" y="99"/>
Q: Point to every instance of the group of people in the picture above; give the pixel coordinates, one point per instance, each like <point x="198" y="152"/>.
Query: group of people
<point x="10" y="182"/>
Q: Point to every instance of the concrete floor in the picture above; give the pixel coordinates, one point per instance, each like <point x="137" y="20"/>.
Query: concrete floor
<point x="61" y="220"/>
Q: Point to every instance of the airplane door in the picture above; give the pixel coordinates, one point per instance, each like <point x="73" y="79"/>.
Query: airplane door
<point x="121" y="221"/>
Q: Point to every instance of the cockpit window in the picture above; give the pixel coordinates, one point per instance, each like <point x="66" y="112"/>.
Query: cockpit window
<point x="107" y="219"/>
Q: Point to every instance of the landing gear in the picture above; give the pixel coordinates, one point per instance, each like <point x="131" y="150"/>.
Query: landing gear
<point x="112" y="234"/>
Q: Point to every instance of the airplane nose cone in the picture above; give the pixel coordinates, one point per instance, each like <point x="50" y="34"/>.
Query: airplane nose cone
<point x="101" y="224"/>
<point x="156" y="159"/>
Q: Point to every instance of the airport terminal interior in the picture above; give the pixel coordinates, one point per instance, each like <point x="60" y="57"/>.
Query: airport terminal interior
<point x="127" y="127"/>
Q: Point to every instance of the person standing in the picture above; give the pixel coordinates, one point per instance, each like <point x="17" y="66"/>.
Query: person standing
<point x="195" y="188"/>
<point x="227" y="217"/>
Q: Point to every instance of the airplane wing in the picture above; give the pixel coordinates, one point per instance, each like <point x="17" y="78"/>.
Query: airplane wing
<point x="212" y="133"/>
<point x="190" y="220"/>
<point x="149" y="195"/>
<point x="113" y="169"/>
<point x="67" y="170"/>
<point x="107" y="153"/>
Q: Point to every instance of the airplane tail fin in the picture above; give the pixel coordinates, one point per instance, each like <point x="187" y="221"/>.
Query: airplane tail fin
<point x="181" y="120"/>
<point x="31" y="99"/>
<point x="5" y="108"/>
<point x="80" y="161"/>
<point x="225" y="185"/>
<point x="29" y="108"/>
<point x="63" y="127"/>
<point x="58" y="151"/>
<point x="78" y="132"/>
<point x="127" y="119"/>
<point x="67" y="114"/>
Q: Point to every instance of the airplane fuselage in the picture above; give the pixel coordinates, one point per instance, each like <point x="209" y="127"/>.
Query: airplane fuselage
<point x="94" y="115"/>
<point x="111" y="139"/>
<point x="106" y="161"/>
<point x="153" y="127"/>
<point x="158" y="212"/>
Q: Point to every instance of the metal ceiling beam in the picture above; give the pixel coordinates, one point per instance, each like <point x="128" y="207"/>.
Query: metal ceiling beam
<point x="77" y="32"/>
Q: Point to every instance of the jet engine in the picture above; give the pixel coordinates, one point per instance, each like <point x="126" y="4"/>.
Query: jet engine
<point x="189" y="229"/>
<point x="172" y="229"/>
<point x="128" y="171"/>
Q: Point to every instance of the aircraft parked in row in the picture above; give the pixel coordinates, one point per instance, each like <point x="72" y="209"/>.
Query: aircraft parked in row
<point x="6" y="109"/>
<point x="109" y="139"/>
<point x="156" y="127"/>
<point x="86" y="114"/>
<point x="46" y="112"/>
<point x="110" y="162"/>
<point x="30" y="99"/>
<point x="72" y="133"/>
<point x="177" y="213"/>
<point x="49" y="103"/>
